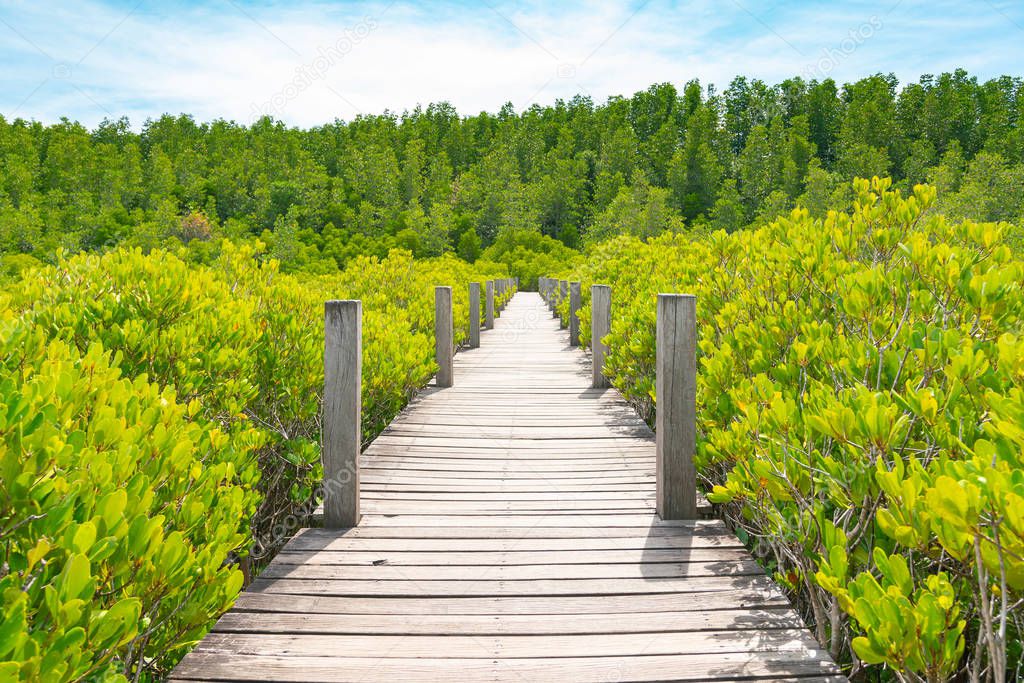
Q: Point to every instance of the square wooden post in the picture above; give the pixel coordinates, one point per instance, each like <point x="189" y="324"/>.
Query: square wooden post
<point x="444" y="350"/>
<point x="563" y="292"/>
<point x="342" y="406"/>
<point x="474" y="315"/>
<point x="676" y="414"/>
<point x="574" y="314"/>
<point x="489" y="306"/>
<point x="600" y="326"/>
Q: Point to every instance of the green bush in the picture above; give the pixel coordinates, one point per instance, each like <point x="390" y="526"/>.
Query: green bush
<point x="118" y="513"/>
<point x="195" y="390"/>
<point x="860" y="417"/>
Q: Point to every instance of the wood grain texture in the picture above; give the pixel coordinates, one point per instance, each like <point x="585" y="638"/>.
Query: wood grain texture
<point x="574" y="313"/>
<point x="474" y="315"/>
<point x="600" y="326"/>
<point x="676" y="417"/>
<point x="489" y="305"/>
<point x="342" y="404"/>
<point x="444" y="347"/>
<point x="509" y="533"/>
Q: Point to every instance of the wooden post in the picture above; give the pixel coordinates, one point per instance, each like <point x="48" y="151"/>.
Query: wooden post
<point x="676" y="415"/>
<point x="600" y="326"/>
<point x="342" y="405"/>
<point x="489" y="306"/>
<point x="443" y="334"/>
<point x="563" y="292"/>
<point x="474" y="315"/>
<point x="574" y="314"/>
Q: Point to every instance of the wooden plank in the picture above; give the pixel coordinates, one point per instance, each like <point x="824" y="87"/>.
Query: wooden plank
<point x="585" y="523"/>
<point x="557" y="495"/>
<point x="528" y="531"/>
<point x="669" y="571"/>
<point x="495" y="588"/>
<point x="510" y="646"/>
<point x="778" y="666"/>
<point x="739" y="598"/>
<point x="525" y="628"/>
<point x="505" y="558"/>
<point x="307" y="542"/>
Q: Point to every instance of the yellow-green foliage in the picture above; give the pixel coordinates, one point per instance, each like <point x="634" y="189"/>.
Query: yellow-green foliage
<point x="860" y="416"/>
<point x="159" y="424"/>
<point x="118" y="512"/>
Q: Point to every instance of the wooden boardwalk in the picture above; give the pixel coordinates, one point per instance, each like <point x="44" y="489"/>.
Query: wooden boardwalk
<point x="509" y="534"/>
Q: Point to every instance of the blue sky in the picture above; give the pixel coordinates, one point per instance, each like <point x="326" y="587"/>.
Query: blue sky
<point x="311" y="62"/>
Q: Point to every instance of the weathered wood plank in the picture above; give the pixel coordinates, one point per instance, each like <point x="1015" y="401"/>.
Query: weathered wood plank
<point x="484" y="588"/>
<point x="707" y="554"/>
<point x="740" y="598"/>
<point x="796" y="665"/>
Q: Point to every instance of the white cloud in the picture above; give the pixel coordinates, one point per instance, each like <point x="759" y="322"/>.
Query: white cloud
<point x="230" y="60"/>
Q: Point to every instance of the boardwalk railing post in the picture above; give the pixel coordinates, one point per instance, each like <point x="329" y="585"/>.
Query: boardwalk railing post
<point x="600" y="326"/>
<point x="474" y="315"/>
<point x="676" y="416"/>
<point x="343" y="370"/>
<point x="563" y="293"/>
<point x="489" y="306"/>
<point x="444" y="350"/>
<point x="574" y="314"/>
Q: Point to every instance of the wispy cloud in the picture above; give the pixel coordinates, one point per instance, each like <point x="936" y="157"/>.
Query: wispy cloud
<point x="311" y="62"/>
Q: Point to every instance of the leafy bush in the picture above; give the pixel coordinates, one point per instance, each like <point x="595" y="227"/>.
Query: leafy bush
<point x="860" y="417"/>
<point x="195" y="390"/>
<point x="118" y="513"/>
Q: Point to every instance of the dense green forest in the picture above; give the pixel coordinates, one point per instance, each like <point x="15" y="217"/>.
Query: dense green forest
<point x="432" y="180"/>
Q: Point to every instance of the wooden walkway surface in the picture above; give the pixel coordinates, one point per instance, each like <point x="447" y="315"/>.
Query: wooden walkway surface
<point x="509" y="534"/>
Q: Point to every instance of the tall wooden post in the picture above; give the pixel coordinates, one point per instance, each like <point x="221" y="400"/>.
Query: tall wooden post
<point x="574" y="314"/>
<point x="600" y="326"/>
<point x="342" y="405"/>
<point x="489" y="306"/>
<point x="443" y="334"/>
<point x="563" y="292"/>
<point x="474" y="315"/>
<point x="676" y="415"/>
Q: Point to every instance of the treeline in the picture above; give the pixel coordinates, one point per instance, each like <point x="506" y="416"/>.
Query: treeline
<point x="432" y="181"/>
